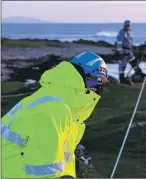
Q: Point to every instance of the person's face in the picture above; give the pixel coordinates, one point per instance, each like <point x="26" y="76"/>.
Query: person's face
<point x="127" y="28"/>
<point x="103" y="78"/>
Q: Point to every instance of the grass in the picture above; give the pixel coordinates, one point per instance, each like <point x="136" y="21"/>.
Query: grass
<point x="8" y="43"/>
<point x="106" y="129"/>
<point x="8" y="87"/>
<point x="17" y="43"/>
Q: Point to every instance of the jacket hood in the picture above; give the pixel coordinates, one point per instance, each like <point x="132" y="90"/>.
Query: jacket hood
<point x="67" y="83"/>
<point x="63" y="74"/>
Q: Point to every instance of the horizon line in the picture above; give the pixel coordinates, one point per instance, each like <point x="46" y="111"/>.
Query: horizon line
<point x="59" y="22"/>
<point x="46" y="22"/>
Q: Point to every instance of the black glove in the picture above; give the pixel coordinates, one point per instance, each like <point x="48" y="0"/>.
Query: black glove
<point x="80" y="151"/>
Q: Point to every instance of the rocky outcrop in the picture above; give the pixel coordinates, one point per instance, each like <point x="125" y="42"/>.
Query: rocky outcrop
<point x="18" y="63"/>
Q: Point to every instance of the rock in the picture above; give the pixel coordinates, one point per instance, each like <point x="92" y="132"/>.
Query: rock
<point x="90" y="42"/>
<point x="137" y="79"/>
<point x="113" y="80"/>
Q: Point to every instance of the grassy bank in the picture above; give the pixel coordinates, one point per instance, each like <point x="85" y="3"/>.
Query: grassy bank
<point x="106" y="128"/>
<point x="8" y="87"/>
<point x="34" y="43"/>
<point x="21" y="43"/>
<point x="18" y="43"/>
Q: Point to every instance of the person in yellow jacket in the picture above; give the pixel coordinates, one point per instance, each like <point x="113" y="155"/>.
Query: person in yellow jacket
<point x="41" y="132"/>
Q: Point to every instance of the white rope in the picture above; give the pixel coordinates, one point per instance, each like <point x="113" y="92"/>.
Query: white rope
<point x="15" y="95"/>
<point x="133" y="115"/>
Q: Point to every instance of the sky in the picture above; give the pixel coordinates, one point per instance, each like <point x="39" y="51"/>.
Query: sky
<point x="77" y="11"/>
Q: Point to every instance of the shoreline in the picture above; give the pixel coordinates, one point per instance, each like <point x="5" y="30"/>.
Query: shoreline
<point x="26" y="49"/>
<point x="49" y="42"/>
<point x="26" y="54"/>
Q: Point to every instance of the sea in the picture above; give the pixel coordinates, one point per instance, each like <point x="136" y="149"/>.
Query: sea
<point x="73" y="31"/>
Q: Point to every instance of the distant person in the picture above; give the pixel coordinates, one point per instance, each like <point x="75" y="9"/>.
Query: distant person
<point x="124" y="49"/>
<point x="42" y="132"/>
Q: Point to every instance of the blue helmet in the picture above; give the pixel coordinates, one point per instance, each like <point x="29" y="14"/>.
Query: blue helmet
<point x="127" y="22"/>
<point x="92" y="65"/>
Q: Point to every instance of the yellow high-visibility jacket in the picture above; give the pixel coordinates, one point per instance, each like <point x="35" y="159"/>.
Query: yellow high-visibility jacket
<point x="40" y="133"/>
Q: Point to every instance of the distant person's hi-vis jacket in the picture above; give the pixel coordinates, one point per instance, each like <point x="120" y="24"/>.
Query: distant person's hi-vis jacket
<point x="124" y="47"/>
<point x="41" y="132"/>
<point x="124" y="41"/>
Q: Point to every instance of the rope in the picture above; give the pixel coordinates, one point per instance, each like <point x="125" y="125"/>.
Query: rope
<point x="126" y="135"/>
<point x="15" y="95"/>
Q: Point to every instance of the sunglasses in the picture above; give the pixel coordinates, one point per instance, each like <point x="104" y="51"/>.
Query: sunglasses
<point x="127" y="25"/>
